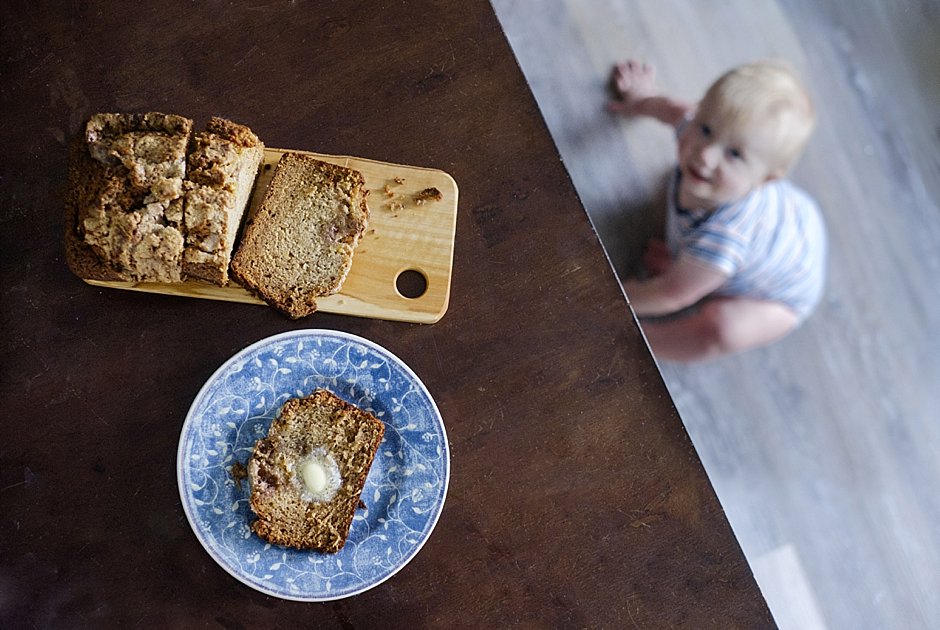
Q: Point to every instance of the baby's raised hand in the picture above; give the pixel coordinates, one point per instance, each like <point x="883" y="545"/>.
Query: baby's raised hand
<point x="632" y="82"/>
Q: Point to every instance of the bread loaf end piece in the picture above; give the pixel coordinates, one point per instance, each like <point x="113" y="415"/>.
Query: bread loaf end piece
<point x="341" y="440"/>
<point x="124" y="203"/>
<point x="300" y="244"/>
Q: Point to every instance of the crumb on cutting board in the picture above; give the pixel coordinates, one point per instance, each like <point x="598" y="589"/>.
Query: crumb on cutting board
<point x="428" y="194"/>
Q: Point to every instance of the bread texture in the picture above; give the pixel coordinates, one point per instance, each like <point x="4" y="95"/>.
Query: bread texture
<point x="223" y="165"/>
<point x="124" y="204"/>
<point x="148" y="201"/>
<point x="299" y="245"/>
<point x="341" y="440"/>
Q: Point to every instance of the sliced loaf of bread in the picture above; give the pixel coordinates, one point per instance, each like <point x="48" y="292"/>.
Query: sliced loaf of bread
<point x="299" y="245"/>
<point x="223" y="164"/>
<point x="148" y="202"/>
<point x="308" y="473"/>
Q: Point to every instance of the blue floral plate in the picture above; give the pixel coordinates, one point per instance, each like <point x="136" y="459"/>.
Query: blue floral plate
<point x="404" y="493"/>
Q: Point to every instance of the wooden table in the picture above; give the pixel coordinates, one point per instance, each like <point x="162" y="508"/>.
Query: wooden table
<point x="576" y="498"/>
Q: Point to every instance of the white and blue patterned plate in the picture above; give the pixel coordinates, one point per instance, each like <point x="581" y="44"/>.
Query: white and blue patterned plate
<point x="404" y="492"/>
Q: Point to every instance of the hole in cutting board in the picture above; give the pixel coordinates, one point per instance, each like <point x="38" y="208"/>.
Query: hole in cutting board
<point x="411" y="283"/>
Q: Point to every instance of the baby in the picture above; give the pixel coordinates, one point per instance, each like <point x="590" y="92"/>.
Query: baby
<point x="743" y="245"/>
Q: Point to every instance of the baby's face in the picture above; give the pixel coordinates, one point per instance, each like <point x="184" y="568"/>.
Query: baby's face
<point x="721" y="162"/>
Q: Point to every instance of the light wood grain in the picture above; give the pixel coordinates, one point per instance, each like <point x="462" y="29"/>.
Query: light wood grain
<point x="402" y="235"/>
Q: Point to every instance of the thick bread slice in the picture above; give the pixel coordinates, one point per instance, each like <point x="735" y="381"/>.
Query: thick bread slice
<point x="341" y="441"/>
<point x="223" y="164"/>
<point x="124" y="205"/>
<point x="300" y="244"/>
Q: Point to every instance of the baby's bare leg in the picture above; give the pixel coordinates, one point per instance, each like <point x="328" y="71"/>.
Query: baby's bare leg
<point x="721" y="326"/>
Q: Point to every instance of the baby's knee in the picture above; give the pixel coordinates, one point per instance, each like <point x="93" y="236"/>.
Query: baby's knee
<point x="732" y="325"/>
<point x="717" y="326"/>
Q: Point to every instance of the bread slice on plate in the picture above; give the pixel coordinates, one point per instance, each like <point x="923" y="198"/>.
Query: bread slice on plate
<point x="223" y="164"/>
<point x="299" y="245"/>
<point x="308" y="473"/>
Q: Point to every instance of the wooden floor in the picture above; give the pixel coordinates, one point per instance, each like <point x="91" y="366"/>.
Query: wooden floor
<point x="825" y="448"/>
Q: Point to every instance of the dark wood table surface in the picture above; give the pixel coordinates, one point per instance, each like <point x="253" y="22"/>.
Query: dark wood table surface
<point x="576" y="498"/>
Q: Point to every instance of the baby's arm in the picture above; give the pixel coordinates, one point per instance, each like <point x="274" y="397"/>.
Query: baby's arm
<point x="683" y="284"/>
<point x="656" y="257"/>
<point x="634" y="84"/>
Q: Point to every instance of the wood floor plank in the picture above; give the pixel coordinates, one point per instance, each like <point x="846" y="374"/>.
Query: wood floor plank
<point x="827" y="444"/>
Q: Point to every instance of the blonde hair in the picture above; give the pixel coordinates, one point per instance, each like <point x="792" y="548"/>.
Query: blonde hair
<point x="767" y="94"/>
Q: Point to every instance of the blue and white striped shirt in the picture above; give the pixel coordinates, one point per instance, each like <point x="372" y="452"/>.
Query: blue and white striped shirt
<point x="772" y="243"/>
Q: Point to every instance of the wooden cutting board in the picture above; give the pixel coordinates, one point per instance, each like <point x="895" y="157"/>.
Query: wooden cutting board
<point x="403" y="237"/>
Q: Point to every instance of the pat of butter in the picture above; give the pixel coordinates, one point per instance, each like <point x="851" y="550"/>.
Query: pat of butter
<point x="314" y="476"/>
<point x="317" y="476"/>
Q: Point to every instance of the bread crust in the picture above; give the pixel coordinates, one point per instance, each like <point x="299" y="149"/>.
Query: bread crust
<point x="85" y="177"/>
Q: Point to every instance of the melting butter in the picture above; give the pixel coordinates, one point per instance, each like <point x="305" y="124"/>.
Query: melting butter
<point x="317" y="476"/>
<point x="314" y="476"/>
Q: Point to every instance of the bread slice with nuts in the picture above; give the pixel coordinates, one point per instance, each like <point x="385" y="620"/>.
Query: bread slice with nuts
<point x="308" y="473"/>
<point x="299" y="245"/>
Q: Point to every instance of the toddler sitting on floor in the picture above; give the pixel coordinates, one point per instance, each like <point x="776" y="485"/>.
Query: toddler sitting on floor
<point x="743" y="244"/>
